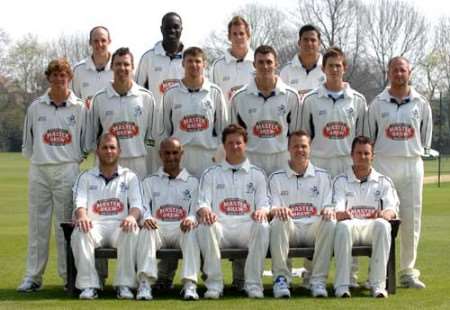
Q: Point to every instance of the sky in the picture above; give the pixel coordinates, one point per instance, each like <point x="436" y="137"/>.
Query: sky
<point x="135" y="24"/>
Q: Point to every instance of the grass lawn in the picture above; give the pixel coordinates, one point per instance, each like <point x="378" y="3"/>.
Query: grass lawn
<point x="432" y="167"/>
<point x="433" y="260"/>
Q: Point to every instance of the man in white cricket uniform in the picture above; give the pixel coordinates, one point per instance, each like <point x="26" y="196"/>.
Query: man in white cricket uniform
<point x="333" y="115"/>
<point x="93" y="73"/>
<point x="126" y="110"/>
<point x="234" y="68"/>
<point x="170" y="197"/>
<point x="365" y="201"/>
<point x="304" y="71"/>
<point x="195" y="112"/>
<point x="54" y="141"/>
<point x="303" y="215"/>
<point x="400" y="123"/>
<point x="269" y="110"/>
<point x="108" y="204"/>
<point x="232" y="210"/>
<point x="159" y="69"/>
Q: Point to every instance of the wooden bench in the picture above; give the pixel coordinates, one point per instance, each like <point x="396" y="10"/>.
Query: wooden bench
<point x="230" y="254"/>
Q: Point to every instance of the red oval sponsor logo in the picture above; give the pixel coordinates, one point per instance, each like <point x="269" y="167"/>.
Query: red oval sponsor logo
<point x="112" y="206"/>
<point x="170" y="213"/>
<point x="193" y="123"/>
<point x="362" y="212"/>
<point x="400" y="131"/>
<point x="234" y="206"/>
<point x="166" y="84"/>
<point x="267" y="129"/>
<point x="57" y="137"/>
<point x="124" y="130"/>
<point x="301" y="210"/>
<point x="336" y="130"/>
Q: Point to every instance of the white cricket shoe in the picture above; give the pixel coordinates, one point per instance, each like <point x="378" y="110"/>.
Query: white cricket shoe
<point x="281" y="288"/>
<point x="254" y="291"/>
<point x="212" y="294"/>
<point x="124" y="292"/>
<point x="379" y="292"/>
<point x="144" y="291"/>
<point x="319" y="290"/>
<point x="411" y="282"/>
<point x="89" y="293"/>
<point x="28" y="286"/>
<point x="342" y="292"/>
<point x="190" y="291"/>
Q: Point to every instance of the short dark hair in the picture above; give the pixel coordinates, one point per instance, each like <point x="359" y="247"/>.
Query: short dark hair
<point x="108" y="135"/>
<point x="234" y="129"/>
<point x="361" y="140"/>
<point x="91" y="33"/>
<point x="266" y="49"/>
<point x="308" y="27"/>
<point x="333" y="52"/>
<point x="194" y="51"/>
<point x="236" y="21"/>
<point x="122" y="51"/>
<point x="299" y="133"/>
<point x="167" y="15"/>
<point x="59" y="65"/>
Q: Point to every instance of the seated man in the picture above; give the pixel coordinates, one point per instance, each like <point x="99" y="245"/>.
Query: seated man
<point x="169" y="197"/>
<point x="108" y="204"/>
<point x="365" y="202"/>
<point x="232" y="210"/>
<point x="303" y="215"/>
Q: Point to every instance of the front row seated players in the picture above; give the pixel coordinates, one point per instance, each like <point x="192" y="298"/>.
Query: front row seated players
<point x="108" y="203"/>
<point x="364" y="202"/>
<point x="170" y="196"/>
<point x="232" y="211"/>
<point x="302" y="215"/>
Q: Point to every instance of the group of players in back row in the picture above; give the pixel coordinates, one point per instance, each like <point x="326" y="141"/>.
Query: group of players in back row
<point x="174" y="105"/>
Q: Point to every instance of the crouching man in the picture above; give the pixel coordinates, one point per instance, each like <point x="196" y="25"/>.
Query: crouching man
<point x="169" y="221"/>
<point x="302" y="215"/>
<point x="365" y="202"/>
<point x="108" y="204"/>
<point x="232" y="210"/>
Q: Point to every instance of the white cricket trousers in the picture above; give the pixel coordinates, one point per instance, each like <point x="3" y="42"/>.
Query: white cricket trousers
<point x="197" y="159"/>
<point x="136" y="164"/>
<point x="284" y="234"/>
<point x="245" y="234"/>
<point x="50" y="190"/>
<point x="109" y="234"/>
<point x="167" y="236"/>
<point x="407" y="175"/>
<point x="334" y="166"/>
<point x="374" y="232"/>
<point x="269" y="162"/>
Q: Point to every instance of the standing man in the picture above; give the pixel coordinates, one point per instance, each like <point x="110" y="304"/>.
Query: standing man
<point x="159" y="69"/>
<point x="126" y="110"/>
<point x="365" y="201"/>
<point x="54" y="141"/>
<point x="93" y="73"/>
<point x="269" y="110"/>
<point x="303" y="215"/>
<point x="232" y="210"/>
<point x="304" y="72"/>
<point x="108" y="204"/>
<point x="195" y="112"/>
<point x="235" y="68"/>
<point x="333" y="115"/>
<point x="170" y="196"/>
<point x="400" y="123"/>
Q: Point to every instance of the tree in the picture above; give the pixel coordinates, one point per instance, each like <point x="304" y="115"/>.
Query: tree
<point x="269" y="26"/>
<point x="393" y="28"/>
<point x="4" y="42"/>
<point x="74" y="47"/>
